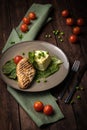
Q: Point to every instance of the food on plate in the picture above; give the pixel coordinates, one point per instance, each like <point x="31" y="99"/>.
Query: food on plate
<point x="26" y="20"/>
<point x="80" y="21"/>
<point x="24" y="27"/>
<point x="69" y="21"/>
<point x="65" y="13"/>
<point x="38" y="106"/>
<point x="76" y="30"/>
<point x="38" y="65"/>
<point x="48" y="109"/>
<point x="42" y="59"/>
<point x="32" y="15"/>
<point x="9" y="69"/>
<point x="50" y="67"/>
<point x="25" y="73"/>
<point x="73" y="38"/>
<point x="17" y="59"/>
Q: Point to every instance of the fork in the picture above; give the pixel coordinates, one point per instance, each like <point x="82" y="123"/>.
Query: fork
<point x="76" y="83"/>
<point x="74" y="69"/>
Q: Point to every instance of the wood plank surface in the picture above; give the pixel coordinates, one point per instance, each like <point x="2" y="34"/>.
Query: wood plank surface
<point x="12" y="116"/>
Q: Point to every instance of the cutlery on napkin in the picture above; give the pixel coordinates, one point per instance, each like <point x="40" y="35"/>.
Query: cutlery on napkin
<point x="26" y="100"/>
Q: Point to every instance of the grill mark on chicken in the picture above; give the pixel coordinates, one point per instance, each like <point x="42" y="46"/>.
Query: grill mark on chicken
<point x="25" y="73"/>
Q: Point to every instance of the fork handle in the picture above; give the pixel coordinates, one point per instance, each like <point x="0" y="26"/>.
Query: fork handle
<point x="68" y="99"/>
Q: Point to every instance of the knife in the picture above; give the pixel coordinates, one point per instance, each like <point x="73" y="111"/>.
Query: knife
<point x="76" y="83"/>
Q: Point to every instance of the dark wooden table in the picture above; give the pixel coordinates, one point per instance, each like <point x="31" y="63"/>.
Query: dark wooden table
<point x="12" y="116"/>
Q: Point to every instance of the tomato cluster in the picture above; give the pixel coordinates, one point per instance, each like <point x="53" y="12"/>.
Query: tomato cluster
<point x="27" y="21"/>
<point x="70" y="22"/>
<point x="39" y="107"/>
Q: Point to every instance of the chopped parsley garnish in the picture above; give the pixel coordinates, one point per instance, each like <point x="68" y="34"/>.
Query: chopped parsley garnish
<point x="12" y="42"/>
<point x="20" y="36"/>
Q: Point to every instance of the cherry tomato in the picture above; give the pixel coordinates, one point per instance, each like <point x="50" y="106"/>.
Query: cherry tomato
<point x="32" y="15"/>
<point x="24" y="27"/>
<point x="48" y="109"/>
<point x="70" y="21"/>
<point x="17" y="59"/>
<point x="80" y="21"/>
<point x="77" y="30"/>
<point x="73" y="38"/>
<point x="65" y="13"/>
<point x="26" y="20"/>
<point x="38" y="106"/>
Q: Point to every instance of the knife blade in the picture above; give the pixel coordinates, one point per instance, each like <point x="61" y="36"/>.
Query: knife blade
<point x="76" y="83"/>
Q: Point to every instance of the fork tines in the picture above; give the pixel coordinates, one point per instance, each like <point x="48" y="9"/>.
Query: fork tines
<point x="75" y="66"/>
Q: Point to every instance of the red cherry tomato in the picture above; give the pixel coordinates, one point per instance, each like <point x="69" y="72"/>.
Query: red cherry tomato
<point x="24" y="27"/>
<point x="17" y="59"/>
<point x="48" y="110"/>
<point x="32" y="15"/>
<point x="65" y="13"/>
<point x="80" y="21"/>
<point x="77" y="30"/>
<point x="26" y="20"/>
<point x="70" y="21"/>
<point x="73" y="38"/>
<point x="38" y="106"/>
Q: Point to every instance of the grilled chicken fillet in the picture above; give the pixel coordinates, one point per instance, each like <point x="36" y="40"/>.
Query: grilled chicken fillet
<point x="25" y="73"/>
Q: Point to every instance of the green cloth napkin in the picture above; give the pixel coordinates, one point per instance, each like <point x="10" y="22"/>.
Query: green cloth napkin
<point x="27" y="99"/>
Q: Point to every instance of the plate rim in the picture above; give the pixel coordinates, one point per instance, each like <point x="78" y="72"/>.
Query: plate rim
<point x="40" y="41"/>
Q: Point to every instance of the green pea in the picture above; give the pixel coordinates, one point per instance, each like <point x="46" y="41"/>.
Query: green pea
<point x="77" y="88"/>
<point x="49" y="35"/>
<point x="46" y="35"/>
<point x="53" y="31"/>
<point x="38" y="81"/>
<point x="62" y="33"/>
<point x="72" y="102"/>
<point x="82" y="88"/>
<point x="59" y="37"/>
<point x="61" y="40"/>
<point x="78" y="97"/>
<point x="45" y="80"/>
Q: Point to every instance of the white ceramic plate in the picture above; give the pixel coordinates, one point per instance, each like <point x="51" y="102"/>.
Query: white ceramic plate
<point x="25" y="47"/>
